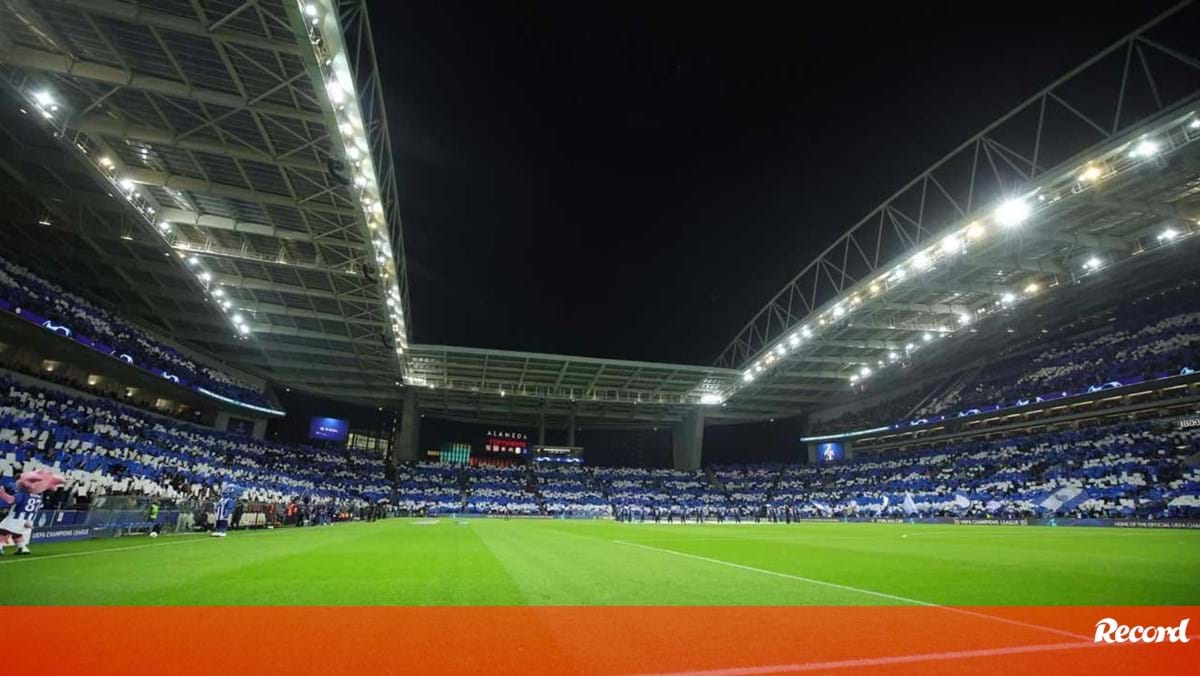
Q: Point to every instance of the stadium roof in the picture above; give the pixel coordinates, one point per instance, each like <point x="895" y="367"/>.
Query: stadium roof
<point x="223" y="171"/>
<point x="1101" y="166"/>
<point x="250" y="140"/>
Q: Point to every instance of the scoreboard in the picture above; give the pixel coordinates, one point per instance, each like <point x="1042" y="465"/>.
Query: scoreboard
<point x="558" y="454"/>
<point x="506" y="443"/>
<point x="455" y="453"/>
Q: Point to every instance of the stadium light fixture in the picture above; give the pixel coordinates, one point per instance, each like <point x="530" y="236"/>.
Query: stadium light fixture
<point x="794" y="340"/>
<point x="864" y="371"/>
<point x="806" y="332"/>
<point x="927" y="336"/>
<point x="853" y="378"/>
<point x="336" y="94"/>
<point x="921" y="261"/>
<point x="226" y="304"/>
<point x="1007" y="298"/>
<point x="244" y="329"/>
<point x="238" y="318"/>
<point x="875" y="288"/>
<point x="311" y="10"/>
<point x="909" y="347"/>
<point x="1195" y="124"/>
<point x="1090" y="173"/>
<point x="951" y="245"/>
<point x="964" y="318"/>
<point x="1092" y="263"/>
<point x="218" y="292"/>
<point x="192" y="260"/>
<point x="1145" y="148"/>
<point x="126" y="185"/>
<point x="893" y="356"/>
<point x="206" y="275"/>
<point x="44" y="98"/>
<point x="1168" y="235"/>
<point x="1012" y="212"/>
<point x="975" y="230"/>
<point x="1032" y="287"/>
<point x="748" y="377"/>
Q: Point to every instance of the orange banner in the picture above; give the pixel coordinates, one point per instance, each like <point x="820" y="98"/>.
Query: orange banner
<point x="720" y="641"/>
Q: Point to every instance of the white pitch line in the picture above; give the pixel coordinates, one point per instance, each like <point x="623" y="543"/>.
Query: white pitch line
<point x="864" y="662"/>
<point x="31" y="559"/>
<point x="189" y="538"/>
<point x="859" y="590"/>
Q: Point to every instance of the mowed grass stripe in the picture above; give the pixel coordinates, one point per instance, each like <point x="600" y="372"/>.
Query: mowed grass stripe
<point x="542" y="562"/>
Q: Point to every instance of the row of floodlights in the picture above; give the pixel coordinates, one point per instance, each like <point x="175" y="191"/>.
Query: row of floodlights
<point x="47" y="104"/>
<point x="1010" y="213"/>
<point x="339" y="88"/>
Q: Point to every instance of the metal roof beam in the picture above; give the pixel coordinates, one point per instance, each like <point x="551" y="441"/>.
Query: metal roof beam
<point x="187" y="248"/>
<point x="184" y="216"/>
<point x="198" y="185"/>
<point x="61" y="64"/>
<point x="128" y="131"/>
<point x="145" y="16"/>
<point x="256" y="284"/>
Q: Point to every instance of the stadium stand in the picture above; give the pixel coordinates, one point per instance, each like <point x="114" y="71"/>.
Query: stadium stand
<point x="20" y="288"/>
<point x="106" y="448"/>
<point x="1140" y="469"/>
<point x="1146" y="469"/>
<point x="1152" y="337"/>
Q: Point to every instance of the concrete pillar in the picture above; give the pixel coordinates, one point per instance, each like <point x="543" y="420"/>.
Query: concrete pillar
<point x="687" y="441"/>
<point x="571" y="427"/>
<point x="407" y="435"/>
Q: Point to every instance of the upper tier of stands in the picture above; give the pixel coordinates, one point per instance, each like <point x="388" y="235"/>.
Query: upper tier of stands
<point x="1149" y="338"/>
<point x="21" y="288"/>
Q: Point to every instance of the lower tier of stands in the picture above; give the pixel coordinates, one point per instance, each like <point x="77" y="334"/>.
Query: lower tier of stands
<point x="1136" y="469"/>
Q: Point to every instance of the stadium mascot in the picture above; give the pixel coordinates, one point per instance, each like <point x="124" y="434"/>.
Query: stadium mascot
<point x="17" y="527"/>
<point x="230" y="492"/>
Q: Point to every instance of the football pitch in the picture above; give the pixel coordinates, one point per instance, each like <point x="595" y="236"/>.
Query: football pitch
<point x="491" y="562"/>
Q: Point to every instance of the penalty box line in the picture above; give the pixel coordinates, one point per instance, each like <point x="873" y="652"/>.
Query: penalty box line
<point x="859" y="590"/>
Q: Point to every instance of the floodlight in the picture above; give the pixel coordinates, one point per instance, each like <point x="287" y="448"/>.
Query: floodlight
<point x="1012" y="212"/>
<point x="951" y="245"/>
<point x="1145" y="148"/>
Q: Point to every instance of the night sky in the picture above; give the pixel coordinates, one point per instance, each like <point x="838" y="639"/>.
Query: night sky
<point x="635" y="181"/>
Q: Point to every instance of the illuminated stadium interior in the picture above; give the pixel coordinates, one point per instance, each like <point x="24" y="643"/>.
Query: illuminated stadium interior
<point x="204" y="284"/>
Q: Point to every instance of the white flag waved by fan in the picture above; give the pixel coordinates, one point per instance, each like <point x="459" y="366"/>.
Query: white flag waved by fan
<point x="910" y="507"/>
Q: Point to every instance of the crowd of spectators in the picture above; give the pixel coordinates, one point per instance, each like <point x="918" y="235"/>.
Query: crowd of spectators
<point x="106" y="448"/>
<point x="22" y="289"/>
<point x="1153" y="337"/>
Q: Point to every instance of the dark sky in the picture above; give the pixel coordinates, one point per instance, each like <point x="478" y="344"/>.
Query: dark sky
<point x="635" y="181"/>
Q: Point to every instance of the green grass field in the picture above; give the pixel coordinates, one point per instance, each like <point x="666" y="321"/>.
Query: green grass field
<point x="537" y="562"/>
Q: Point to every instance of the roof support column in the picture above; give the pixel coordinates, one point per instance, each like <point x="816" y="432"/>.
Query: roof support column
<point x="541" y="437"/>
<point x="687" y="440"/>
<point x="571" y="427"/>
<point x="405" y="442"/>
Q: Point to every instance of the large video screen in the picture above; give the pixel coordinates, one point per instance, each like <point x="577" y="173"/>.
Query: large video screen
<point x="830" y="451"/>
<point x="328" y="429"/>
